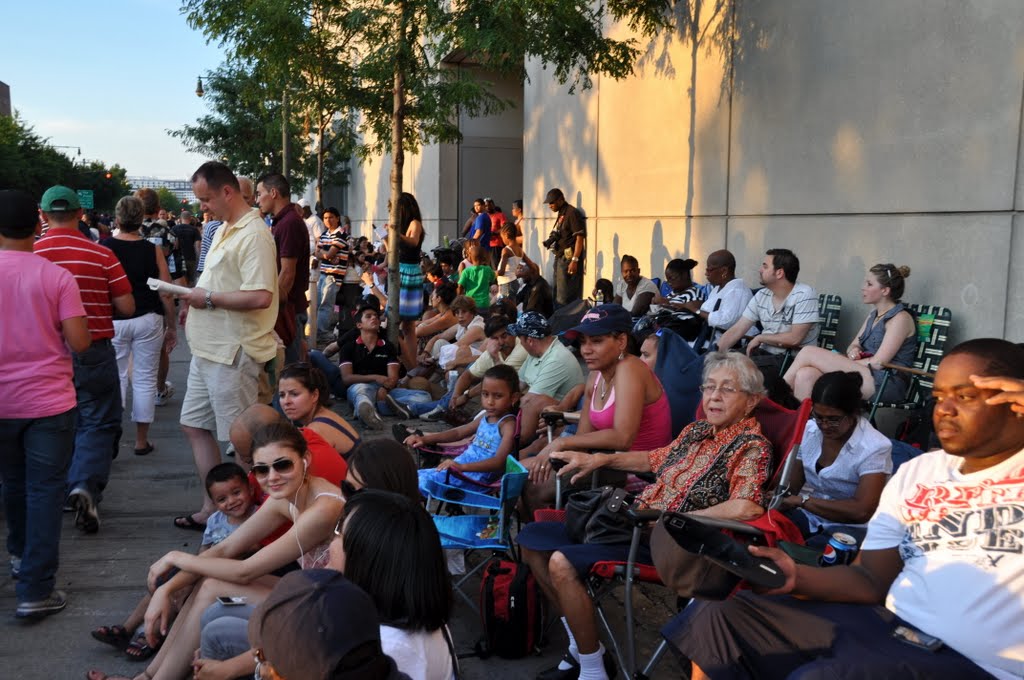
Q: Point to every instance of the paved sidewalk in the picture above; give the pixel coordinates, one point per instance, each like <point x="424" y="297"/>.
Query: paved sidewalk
<point x="104" y="574"/>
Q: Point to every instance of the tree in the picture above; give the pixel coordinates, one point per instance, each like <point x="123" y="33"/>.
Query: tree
<point x="28" y="163"/>
<point x="244" y="129"/>
<point x="168" y="200"/>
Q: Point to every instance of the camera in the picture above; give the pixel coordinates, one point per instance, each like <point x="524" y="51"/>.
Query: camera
<point x="551" y="243"/>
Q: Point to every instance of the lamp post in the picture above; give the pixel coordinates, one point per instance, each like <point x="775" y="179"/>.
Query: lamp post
<point x="199" y="86"/>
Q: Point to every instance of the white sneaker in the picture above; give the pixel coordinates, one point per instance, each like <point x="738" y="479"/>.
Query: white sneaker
<point x="162" y="398"/>
<point x="371" y="419"/>
<point x="433" y="415"/>
<point x="87" y="517"/>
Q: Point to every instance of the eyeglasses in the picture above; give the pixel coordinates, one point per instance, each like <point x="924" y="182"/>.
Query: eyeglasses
<point x="348" y="489"/>
<point x="281" y="465"/>
<point x="724" y="390"/>
<point x="827" y="421"/>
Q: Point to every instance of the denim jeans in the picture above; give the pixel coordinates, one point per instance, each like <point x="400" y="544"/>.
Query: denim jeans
<point x="326" y="317"/>
<point x="568" y="288"/>
<point x="98" y="387"/>
<point x="330" y="369"/>
<point x="34" y="469"/>
<point x="225" y="631"/>
<point x="363" y="392"/>
<point x="419" y="402"/>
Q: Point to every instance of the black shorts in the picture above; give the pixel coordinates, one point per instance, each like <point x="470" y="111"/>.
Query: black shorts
<point x="552" y="536"/>
<point x="768" y="637"/>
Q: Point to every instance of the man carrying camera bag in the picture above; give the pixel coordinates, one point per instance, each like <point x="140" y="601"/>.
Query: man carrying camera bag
<point x="567" y="241"/>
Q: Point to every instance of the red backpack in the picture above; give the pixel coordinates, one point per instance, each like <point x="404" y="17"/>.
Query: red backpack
<point x="511" y="610"/>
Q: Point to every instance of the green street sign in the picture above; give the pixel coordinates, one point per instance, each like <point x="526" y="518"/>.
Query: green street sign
<point x="85" y="198"/>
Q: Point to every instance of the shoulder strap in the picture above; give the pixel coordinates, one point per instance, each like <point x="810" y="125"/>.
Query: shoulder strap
<point x="451" y="651"/>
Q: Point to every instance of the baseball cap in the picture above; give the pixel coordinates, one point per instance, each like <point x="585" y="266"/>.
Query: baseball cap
<point x="531" y="325"/>
<point x="602" y="320"/>
<point x="554" y="195"/>
<point x="304" y="203"/>
<point x="312" y="620"/>
<point x="59" y="199"/>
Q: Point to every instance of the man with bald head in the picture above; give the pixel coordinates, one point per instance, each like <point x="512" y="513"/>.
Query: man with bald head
<point x="728" y="297"/>
<point x="324" y="461"/>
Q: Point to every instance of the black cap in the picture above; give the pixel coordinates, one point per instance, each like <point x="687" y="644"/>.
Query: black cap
<point x="554" y="195"/>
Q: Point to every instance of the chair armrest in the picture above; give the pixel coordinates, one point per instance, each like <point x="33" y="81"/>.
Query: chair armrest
<point x="730" y="524"/>
<point x="452" y="472"/>
<point x="641" y="517"/>
<point x="572" y="417"/>
<point x="907" y="369"/>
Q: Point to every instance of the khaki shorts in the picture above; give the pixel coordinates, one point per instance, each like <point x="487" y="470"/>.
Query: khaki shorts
<point x="218" y="393"/>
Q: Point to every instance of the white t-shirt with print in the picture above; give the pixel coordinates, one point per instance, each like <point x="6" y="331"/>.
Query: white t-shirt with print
<point x="418" y="654"/>
<point x="961" y="538"/>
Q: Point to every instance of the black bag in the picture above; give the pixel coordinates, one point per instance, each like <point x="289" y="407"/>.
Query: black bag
<point x="510" y="611"/>
<point x="595" y="516"/>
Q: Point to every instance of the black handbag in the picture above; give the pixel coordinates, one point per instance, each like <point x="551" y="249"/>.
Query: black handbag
<point x="597" y="516"/>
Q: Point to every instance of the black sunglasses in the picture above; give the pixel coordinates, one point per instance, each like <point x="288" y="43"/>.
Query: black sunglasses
<point x="348" y="489"/>
<point x="281" y="465"/>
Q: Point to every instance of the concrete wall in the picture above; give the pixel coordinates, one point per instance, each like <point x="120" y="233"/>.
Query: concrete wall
<point x="445" y="178"/>
<point x="853" y="133"/>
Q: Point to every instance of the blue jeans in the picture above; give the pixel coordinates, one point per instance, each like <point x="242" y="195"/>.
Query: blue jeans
<point x="225" y="631"/>
<point x="419" y="402"/>
<point x="327" y="293"/>
<point x="34" y="469"/>
<point x="330" y="369"/>
<point x="359" y="393"/>
<point x="98" y="387"/>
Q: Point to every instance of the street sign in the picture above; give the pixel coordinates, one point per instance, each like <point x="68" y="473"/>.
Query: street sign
<point x="85" y="198"/>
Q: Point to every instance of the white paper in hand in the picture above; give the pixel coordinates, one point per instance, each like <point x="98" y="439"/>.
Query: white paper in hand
<point x="164" y="287"/>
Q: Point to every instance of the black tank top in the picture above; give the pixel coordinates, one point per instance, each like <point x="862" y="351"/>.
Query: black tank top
<point x="410" y="254"/>
<point x="139" y="261"/>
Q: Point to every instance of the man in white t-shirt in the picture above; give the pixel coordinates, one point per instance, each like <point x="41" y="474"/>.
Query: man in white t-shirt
<point x="728" y="298"/>
<point x="944" y="553"/>
<point x="634" y="292"/>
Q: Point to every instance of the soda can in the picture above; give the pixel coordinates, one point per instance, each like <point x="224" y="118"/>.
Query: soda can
<point x="840" y="549"/>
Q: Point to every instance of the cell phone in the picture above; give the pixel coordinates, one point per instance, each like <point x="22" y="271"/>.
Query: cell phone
<point x="233" y="601"/>
<point x="916" y="638"/>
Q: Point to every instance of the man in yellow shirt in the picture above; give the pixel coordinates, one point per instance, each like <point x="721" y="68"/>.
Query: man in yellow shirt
<point x="230" y="322"/>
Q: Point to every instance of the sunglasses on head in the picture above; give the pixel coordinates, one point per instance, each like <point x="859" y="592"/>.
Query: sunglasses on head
<point x="348" y="489"/>
<point x="281" y="465"/>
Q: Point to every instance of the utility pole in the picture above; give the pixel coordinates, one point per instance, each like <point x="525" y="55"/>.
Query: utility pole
<point x="285" y="142"/>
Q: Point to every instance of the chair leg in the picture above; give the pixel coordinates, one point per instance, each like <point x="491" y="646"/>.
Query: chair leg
<point x="654" y="661"/>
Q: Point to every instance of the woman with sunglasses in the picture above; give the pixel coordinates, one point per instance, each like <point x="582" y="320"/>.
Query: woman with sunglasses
<point x="888" y="335"/>
<point x="381" y="464"/>
<point x="305" y="400"/>
<point x="845" y="463"/>
<point x="312" y="505"/>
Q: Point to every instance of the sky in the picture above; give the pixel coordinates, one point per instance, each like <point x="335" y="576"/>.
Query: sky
<point x="109" y="77"/>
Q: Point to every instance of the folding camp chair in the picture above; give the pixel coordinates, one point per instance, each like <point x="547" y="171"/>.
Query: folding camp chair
<point x="784" y="429"/>
<point x="830" y="306"/>
<point x="490" y="531"/>
<point x="932" y="328"/>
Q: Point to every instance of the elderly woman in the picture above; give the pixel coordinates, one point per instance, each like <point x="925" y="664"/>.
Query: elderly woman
<point x="152" y="329"/>
<point x="625" y="408"/>
<point x="724" y="456"/>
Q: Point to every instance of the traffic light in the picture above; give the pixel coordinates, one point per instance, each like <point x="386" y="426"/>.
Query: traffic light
<point x="109" y="175"/>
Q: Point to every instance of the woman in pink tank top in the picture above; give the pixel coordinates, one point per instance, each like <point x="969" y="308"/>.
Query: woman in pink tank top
<point x="624" y="406"/>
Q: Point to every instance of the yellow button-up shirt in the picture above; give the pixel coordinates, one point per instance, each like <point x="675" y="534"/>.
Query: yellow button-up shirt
<point x="241" y="257"/>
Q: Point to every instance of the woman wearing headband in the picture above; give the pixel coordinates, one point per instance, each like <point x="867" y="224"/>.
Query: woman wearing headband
<point x="888" y="335"/>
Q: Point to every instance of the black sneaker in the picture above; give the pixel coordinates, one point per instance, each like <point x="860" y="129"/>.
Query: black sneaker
<point x="40" y="608"/>
<point x="401" y="409"/>
<point x="556" y="673"/>
<point x="434" y="415"/>
<point x="87" y="517"/>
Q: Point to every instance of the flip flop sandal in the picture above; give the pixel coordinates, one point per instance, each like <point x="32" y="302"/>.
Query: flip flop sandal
<point x="145" y="451"/>
<point x="115" y="636"/>
<point x="139" y="650"/>
<point x="189" y="522"/>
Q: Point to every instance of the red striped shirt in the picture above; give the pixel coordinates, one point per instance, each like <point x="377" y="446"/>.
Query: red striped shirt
<point x="97" y="270"/>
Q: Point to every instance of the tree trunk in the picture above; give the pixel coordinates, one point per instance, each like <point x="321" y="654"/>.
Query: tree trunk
<point x="320" y="154"/>
<point x="397" y="167"/>
<point x="285" y="141"/>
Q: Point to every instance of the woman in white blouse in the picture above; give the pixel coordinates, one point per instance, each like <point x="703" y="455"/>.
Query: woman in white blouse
<point x="845" y="463"/>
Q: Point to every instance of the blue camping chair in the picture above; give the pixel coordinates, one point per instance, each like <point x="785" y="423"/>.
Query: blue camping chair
<point x="679" y="368"/>
<point x="489" y="531"/>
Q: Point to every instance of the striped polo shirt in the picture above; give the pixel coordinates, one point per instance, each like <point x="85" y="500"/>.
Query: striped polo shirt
<point x="97" y="270"/>
<point x="339" y="240"/>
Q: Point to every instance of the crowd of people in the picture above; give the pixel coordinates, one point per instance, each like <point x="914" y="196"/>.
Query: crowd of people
<point x="318" y="557"/>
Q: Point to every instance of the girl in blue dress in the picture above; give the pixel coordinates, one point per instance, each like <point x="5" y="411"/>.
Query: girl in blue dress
<point x="493" y="434"/>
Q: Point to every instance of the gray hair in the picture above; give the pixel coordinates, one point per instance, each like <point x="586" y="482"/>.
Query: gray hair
<point x="129" y="212"/>
<point x="748" y="374"/>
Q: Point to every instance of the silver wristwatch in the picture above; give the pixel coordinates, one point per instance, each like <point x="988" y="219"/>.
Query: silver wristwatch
<point x="209" y="299"/>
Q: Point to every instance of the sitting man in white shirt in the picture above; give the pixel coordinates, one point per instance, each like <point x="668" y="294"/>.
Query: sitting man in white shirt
<point x="944" y="554"/>
<point x="786" y="310"/>
<point x="728" y="298"/>
<point x="634" y="292"/>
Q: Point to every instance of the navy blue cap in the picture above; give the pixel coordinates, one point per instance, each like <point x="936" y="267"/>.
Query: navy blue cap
<point x="602" y="320"/>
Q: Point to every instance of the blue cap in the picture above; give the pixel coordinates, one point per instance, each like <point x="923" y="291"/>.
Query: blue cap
<point x="602" y="320"/>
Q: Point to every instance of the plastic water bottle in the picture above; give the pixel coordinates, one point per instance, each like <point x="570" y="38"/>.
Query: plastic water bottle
<point x="453" y="376"/>
<point x="598" y="298"/>
<point x="447" y="242"/>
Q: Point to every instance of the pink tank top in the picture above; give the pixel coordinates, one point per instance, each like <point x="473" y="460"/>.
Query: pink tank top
<point x="655" y="421"/>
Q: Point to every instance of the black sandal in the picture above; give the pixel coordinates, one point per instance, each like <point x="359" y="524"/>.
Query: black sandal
<point x="115" y="636"/>
<point x="139" y="650"/>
